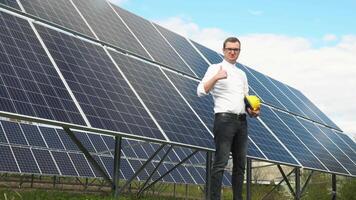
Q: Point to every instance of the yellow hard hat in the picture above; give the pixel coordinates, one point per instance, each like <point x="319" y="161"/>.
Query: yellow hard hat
<point x="253" y="102"/>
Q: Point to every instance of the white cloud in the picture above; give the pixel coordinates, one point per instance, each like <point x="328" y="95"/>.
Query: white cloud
<point x="329" y="37"/>
<point x="325" y="75"/>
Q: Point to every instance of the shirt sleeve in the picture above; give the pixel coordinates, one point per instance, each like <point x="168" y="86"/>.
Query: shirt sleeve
<point x="246" y="89"/>
<point x="208" y="75"/>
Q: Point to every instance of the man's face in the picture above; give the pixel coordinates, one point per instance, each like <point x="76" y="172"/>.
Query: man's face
<point x="231" y="51"/>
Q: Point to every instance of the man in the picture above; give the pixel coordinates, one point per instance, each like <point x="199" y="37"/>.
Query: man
<point x="228" y="86"/>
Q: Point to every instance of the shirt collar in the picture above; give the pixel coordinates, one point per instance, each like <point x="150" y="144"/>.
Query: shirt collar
<point x="224" y="62"/>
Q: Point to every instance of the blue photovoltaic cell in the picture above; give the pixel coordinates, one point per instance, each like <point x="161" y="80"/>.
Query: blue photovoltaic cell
<point x="185" y="174"/>
<point x="209" y="54"/>
<point x="29" y="84"/>
<point x="81" y="164"/>
<point x="14" y="133"/>
<point x="83" y="138"/>
<point x="312" y="144"/>
<point x="2" y="135"/>
<point x="282" y="98"/>
<point x="269" y="145"/>
<point x="196" y="175"/>
<point x="126" y="169"/>
<point x="108" y="26"/>
<point x="25" y="160"/>
<point x="347" y="140"/>
<point x="64" y="163"/>
<point x="102" y="93"/>
<point x="186" y="51"/>
<point x="162" y="170"/>
<point x="307" y="112"/>
<point x="226" y="178"/>
<point x="155" y="44"/>
<point x="51" y="137"/>
<point x="136" y="165"/>
<point x="177" y="120"/>
<point x="10" y="3"/>
<point x="8" y="163"/>
<point x="315" y="109"/>
<point x="98" y="143"/>
<point x="260" y="89"/>
<point x="61" y="12"/>
<point x="101" y="164"/>
<point x="331" y="147"/>
<point x="175" y="174"/>
<point x="33" y="135"/>
<point x="339" y="142"/>
<point x="252" y="151"/>
<point x="45" y="161"/>
<point x="293" y="144"/>
<point x="204" y="106"/>
<point x="67" y="141"/>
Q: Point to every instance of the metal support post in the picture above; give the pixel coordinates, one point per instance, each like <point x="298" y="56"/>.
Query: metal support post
<point x="333" y="177"/>
<point x="117" y="157"/>
<point x="297" y="184"/>
<point x="208" y="174"/>
<point x="248" y="179"/>
<point x="87" y="155"/>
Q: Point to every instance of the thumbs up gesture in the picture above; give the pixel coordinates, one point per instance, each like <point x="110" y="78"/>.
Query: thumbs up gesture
<point x="222" y="74"/>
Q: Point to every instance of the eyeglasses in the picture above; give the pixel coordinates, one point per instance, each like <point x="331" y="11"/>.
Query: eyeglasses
<point x="233" y="49"/>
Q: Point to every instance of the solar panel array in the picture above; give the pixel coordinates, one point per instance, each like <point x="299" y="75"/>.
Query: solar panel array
<point x="143" y="84"/>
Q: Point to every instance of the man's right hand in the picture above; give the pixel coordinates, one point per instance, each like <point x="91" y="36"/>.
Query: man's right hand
<point x="222" y="74"/>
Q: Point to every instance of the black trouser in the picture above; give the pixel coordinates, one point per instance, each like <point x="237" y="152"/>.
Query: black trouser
<point x="230" y="134"/>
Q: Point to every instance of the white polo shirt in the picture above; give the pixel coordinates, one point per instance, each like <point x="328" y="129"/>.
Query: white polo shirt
<point x="229" y="93"/>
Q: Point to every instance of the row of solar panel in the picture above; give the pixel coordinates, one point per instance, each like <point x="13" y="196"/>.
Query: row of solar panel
<point x="31" y="149"/>
<point x="108" y="101"/>
<point x="127" y="31"/>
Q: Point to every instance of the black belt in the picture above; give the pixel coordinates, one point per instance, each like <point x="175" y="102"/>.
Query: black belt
<point x="240" y="117"/>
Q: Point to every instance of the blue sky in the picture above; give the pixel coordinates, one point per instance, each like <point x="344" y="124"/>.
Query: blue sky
<point x="311" y="19"/>
<point x="310" y="45"/>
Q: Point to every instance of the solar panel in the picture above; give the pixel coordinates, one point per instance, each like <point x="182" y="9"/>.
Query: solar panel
<point x="102" y="93"/>
<point x="261" y="90"/>
<point x="209" y="54"/>
<point x="64" y="163"/>
<point x="108" y="26"/>
<point x="45" y="162"/>
<point x="2" y="135"/>
<point x="295" y="146"/>
<point x="280" y="96"/>
<point x="171" y="112"/>
<point x="319" y="151"/>
<point x="8" y="162"/>
<point x="25" y="160"/>
<point x="14" y="133"/>
<point x="33" y="135"/>
<point x="269" y="145"/>
<point x="347" y="140"/>
<point x="202" y="105"/>
<point x="61" y="12"/>
<point x="186" y="51"/>
<point x="155" y="44"/>
<point x="29" y="83"/>
<point x="253" y="151"/>
<point x="81" y="165"/>
<point x="51" y="137"/>
<point x="315" y="109"/>
<point x="307" y="111"/>
<point x="346" y="149"/>
<point x="10" y="3"/>
<point x="330" y="146"/>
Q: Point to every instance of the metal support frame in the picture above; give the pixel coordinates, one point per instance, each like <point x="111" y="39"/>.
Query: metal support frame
<point x="280" y="182"/>
<point x="153" y="172"/>
<point x="209" y="160"/>
<point x="173" y="168"/>
<point x="306" y="183"/>
<point x="87" y="154"/>
<point x="286" y="179"/>
<point x="117" y="158"/>
<point x="333" y="183"/>
<point x="248" y="178"/>
<point x="141" y="168"/>
<point x="297" y="184"/>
